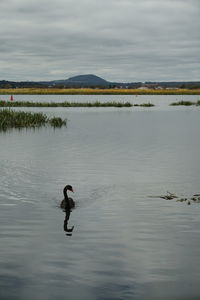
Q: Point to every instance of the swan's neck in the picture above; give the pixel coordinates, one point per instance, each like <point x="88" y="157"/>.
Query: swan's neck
<point x="65" y="193"/>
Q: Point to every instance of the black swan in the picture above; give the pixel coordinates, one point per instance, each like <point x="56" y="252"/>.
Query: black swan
<point x="67" y="203"/>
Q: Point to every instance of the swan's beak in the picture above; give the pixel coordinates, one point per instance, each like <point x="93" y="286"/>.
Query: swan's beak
<point x="72" y="190"/>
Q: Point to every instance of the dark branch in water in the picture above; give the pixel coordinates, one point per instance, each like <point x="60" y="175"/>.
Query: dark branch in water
<point x="170" y="196"/>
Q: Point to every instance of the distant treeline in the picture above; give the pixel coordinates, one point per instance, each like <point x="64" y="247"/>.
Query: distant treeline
<point x="108" y="85"/>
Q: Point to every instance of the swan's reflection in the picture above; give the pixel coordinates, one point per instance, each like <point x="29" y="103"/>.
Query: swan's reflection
<point x="67" y="229"/>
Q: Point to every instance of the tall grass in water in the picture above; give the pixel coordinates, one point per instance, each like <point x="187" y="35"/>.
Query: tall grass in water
<point x="145" y="105"/>
<point x="185" y="103"/>
<point x="64" y="104"/>
<point x="19" y="119"/>
<point x="70" y="104"/>
<point x="56" y="122"/>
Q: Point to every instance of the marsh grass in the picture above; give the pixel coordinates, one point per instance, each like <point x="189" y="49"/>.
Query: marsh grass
<point x="70" y="104"/>
<point x="56" y="122"/>
<point x="145" y="105"/>
<point x="185" y="103"/>
<point x="19" y="119"/>
<point x="96" y="91"/>
<point x="63" y="104"/>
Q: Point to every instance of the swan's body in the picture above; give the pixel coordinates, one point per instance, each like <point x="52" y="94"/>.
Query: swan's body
<point x="67" y="202"/>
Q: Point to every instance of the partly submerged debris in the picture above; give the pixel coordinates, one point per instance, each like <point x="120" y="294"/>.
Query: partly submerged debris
<point x="170" y="196"/>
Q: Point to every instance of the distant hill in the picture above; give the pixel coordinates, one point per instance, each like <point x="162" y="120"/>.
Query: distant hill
<point x="90" y="80"/>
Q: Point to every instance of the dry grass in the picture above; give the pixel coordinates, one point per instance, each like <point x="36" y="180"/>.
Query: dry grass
<point x="90" y="91"/>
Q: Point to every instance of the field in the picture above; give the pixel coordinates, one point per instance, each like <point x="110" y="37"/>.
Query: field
<point x="90" y="91"/>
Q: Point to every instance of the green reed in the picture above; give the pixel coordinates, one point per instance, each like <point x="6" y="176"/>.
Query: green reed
<point x="145" y="105"/>
<point x="70" y="104"/>
<point x="186" y="103"/>
<point x="63" y="104"/>
<point x="20" y="119"/>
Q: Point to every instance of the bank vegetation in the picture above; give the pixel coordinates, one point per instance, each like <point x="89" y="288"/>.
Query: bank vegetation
<point x="96" y="91"/>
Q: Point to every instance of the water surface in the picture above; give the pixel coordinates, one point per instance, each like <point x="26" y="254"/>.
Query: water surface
<point x="160" y="101"/>
<point x="124" y="245"/>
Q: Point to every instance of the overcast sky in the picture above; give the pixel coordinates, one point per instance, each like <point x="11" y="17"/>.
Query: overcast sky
<point x="118" y="40"/>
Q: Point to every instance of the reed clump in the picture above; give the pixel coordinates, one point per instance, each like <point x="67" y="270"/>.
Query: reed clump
<point x="145" y="105"/>
<point x="63" y="104"/>
<point x="20" y="119"/>
<point x="56" y="122"/>
<point x="185" y="103"/>
<point x="71" y="104"/>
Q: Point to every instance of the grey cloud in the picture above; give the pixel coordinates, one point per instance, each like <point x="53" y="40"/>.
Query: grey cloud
<point x="123" y="40"/>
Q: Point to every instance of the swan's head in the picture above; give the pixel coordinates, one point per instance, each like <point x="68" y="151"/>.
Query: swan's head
<point x="69" y="188"/>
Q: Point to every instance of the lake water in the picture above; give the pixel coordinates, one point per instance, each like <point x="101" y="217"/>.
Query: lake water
<point x="125" y="244"/>
<point x="160" y="101"/>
